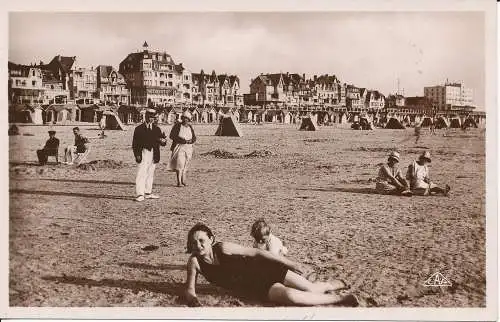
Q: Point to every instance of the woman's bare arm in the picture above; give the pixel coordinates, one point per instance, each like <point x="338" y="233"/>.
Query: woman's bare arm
<point x="235" y="249"/>
<point x="192" y="272"/>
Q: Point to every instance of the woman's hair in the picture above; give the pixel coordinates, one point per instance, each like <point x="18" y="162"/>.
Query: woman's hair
<point x="195" y="228"/>
<point x="260" y="228"/>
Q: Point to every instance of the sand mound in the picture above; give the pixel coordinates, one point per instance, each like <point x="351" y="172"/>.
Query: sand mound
<point x="365" y="149"/>
<point x="319" y="140"/>
<point x="258" y="154"/>
<point x="222" y="154"/>
<point x="101" y="164"/>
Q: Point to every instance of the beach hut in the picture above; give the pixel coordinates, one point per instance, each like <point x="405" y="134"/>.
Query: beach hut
<point x="22" y="113"/>
<point x="212" y="115"/>
<point x="62" y="113"/>
<point x="88" y="112"/>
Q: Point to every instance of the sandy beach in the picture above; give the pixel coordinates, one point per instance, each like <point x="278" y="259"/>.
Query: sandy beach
<point x="77" y="237"/>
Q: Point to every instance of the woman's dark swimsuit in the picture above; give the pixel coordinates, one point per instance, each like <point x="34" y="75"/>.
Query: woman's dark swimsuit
<point x="249" y="276"/>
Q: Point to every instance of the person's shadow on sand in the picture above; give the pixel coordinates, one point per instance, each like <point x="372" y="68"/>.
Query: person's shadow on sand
<point x="171" y="288"/>
<point x="174" y="289"/>
<point x="363" y="190"/>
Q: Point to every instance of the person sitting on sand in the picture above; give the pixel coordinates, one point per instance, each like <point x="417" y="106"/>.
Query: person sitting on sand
<point x="183" y="138"/>
<point x="418" y="176"/>
<point x="390" y="180"/>
<point x="254" y="273"/>
<point x="265" y="240"/>
<point x="80" y="147"/>
<point x="51" y="148"/>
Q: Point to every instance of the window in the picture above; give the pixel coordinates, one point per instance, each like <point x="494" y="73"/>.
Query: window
<point x="33" y="83"/>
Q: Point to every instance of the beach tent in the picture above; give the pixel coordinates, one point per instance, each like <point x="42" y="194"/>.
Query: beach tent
<point x="228" y="126"/>
<point x="111" y="121"/>
<point x="442" y="123"/>
<point x="308" y="124"/>
<point x="455" y="123"/>
<point x="426" y="122"/>
<point x="393" y="123"/>
<point x="469" y="122"/>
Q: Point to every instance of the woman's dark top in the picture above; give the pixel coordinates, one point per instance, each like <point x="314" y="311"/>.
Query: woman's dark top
<point x="249" y="276"/>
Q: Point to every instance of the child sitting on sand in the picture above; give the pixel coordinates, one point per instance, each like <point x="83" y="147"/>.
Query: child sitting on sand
<point x="264" y="240"/>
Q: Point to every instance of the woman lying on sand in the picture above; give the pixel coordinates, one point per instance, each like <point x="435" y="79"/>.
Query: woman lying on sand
<point x="254" y="273"/>
<point x="418" y="175"/>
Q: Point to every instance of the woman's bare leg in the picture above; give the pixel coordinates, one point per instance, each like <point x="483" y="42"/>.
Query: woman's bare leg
<point x="183" y="176"/>
<point x="178" y="175"/>
<point x="299" y="282"/>
<point x="282" y="294"/>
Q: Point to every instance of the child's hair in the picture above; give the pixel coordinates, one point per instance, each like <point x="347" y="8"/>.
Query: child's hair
<point x="259" y="229"/>
<point x="195" y="228"/>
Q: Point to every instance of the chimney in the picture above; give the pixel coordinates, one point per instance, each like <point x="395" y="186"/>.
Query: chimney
<point x="315" y="77"/>
<point x="304" y="76"/>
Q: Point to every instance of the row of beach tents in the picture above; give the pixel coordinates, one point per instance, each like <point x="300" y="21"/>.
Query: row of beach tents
<point x="440" y="122"/>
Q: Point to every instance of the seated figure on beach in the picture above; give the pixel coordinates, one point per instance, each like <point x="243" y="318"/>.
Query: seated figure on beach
<point x="265" y="240"/>
<point x="254" y="273"/>
<point x="418" y="176"/>
<point x="71" y="152"/>
<point x="51" y="147"/>
<point x="390" y="180"/>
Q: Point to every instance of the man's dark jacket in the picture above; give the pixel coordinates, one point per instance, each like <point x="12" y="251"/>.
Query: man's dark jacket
<point x="145" y="138"/>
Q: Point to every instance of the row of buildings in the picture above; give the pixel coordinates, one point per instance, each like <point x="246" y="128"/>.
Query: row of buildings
<point x="145" y="78"/>
<point x="294" y="91"/>
<point x="149" y="78"/>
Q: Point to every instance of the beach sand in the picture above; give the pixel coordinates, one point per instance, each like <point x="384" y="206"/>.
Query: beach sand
<point x="77" y="237"/>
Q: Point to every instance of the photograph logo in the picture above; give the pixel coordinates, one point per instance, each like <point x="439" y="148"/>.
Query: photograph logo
<point x="437" y="279"/>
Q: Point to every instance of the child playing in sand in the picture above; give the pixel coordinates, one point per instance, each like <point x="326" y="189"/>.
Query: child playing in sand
<point x="263" y="239"/>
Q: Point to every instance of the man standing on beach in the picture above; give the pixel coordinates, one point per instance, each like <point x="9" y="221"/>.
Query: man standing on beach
<point x="146" y="146"/>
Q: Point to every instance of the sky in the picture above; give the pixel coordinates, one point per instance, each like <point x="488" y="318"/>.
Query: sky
<point x="367" y="49"/>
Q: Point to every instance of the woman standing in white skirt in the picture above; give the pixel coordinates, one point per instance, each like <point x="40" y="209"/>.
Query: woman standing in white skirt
<point x="183" y="138"/>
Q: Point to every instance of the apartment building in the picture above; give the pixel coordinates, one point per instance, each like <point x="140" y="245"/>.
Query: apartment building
<point x="216" y="90"/>
<point x="111" y="86"/>
<point x="154" y="79"/>
<point x="450" y="96"/>
<point x="25" y="84"/>
<point x="83" y="83"/>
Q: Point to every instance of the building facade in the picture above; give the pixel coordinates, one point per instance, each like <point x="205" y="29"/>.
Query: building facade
<point x="216" y="90"/>
<point x="83" y="83"/>
<point x="450" y="96"/>
<point x="374" y="100"/>
<point x="56" y="77"/>
<point x="152" y="77"/>
<point x="353" y="97"/>
<point x="111" y="86"/>
<point x="25" y="85"/>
